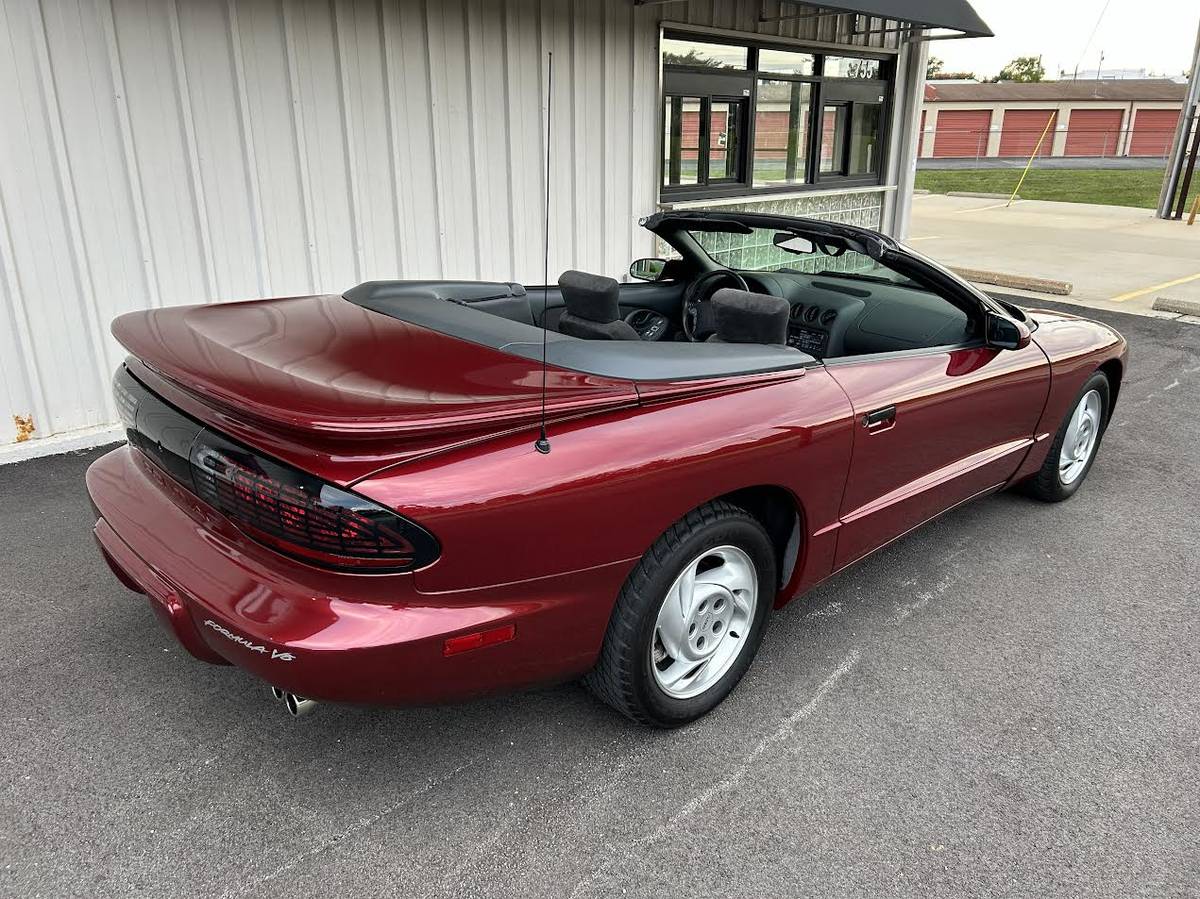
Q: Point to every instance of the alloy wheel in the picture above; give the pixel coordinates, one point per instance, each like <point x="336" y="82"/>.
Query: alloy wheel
<point x="704" y="621"/>
<point x="1081" y="437"/>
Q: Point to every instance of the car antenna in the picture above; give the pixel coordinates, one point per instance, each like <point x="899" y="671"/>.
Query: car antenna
<point x="542" y="445"/>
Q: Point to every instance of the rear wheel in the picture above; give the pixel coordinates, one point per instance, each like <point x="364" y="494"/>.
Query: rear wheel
<point x="689" y="619"/>
<point x="1074" y="449"/>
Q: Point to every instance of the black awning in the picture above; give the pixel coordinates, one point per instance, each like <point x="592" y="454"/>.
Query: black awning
<point x="956" y="15"/>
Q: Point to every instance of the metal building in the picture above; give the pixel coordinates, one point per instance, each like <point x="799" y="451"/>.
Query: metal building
<point x="161" y="152"/>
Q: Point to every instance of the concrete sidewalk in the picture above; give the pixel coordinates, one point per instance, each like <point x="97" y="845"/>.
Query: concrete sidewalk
<point x="1116" y="257"/>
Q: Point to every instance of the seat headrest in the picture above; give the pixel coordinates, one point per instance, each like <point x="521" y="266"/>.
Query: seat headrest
<point x="745" y="317"/>
<point x="593" y="297"/>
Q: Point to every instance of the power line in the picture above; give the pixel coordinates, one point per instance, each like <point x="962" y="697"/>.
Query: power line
<point x="1091" y="37"/>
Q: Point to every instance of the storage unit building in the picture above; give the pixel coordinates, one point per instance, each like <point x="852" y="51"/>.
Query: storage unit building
<point x="1026" y="131"/>
<point x="1125" y="117"/>
<point x="1153" y="131"/>
<point x="962" y="132"/>
<point x="1094" y="132"/>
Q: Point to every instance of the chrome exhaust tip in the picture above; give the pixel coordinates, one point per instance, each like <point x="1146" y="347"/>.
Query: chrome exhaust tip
<point x="278" y="695"/>
<point x="298" y="706"/>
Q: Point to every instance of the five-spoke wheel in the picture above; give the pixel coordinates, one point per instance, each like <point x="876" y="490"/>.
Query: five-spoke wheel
<point x="1071" y="455"/>
<point x="1083" y="431"/>
<point x="703" y="621"/>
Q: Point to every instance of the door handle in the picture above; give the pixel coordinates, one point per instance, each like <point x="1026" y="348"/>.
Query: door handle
<point x="880" y="419"/>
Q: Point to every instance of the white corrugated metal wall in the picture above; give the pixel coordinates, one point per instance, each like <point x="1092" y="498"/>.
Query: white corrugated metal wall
<point x="160" y="152"/>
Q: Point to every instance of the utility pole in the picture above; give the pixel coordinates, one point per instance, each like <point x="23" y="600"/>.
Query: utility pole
<point x="1187" y="115"/>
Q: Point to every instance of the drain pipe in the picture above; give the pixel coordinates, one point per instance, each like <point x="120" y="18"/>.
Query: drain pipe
<point x="1179" y="147"/>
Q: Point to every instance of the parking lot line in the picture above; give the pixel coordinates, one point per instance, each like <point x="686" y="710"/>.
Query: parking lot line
<point x="1121" y="298"/>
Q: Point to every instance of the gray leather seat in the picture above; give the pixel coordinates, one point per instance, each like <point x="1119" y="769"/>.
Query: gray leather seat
<point x="593" y="311"/>
<point x="745" y="317"/>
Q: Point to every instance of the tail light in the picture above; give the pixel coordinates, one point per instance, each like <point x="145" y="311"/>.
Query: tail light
<point x="301" y="515"/>
<point x="292" y="512"/>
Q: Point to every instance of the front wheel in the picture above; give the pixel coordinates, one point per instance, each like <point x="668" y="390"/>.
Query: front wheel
<point x="689" y="619"/>
<point x="1074" y="449"/>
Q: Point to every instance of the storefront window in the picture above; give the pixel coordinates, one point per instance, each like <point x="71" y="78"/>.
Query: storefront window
<point x="702" y="140"/>
<point x="740" y="119"/>
<point x="851" y="67"/>
<point x="699" y="54"/>
<point x="681" y="141"/>
<point x="781" y="128"/>
<point x="784" y="62"/>
<point x="864" y="139"/>
<point x="724" y="140"/>
<point x="833" y="138"/>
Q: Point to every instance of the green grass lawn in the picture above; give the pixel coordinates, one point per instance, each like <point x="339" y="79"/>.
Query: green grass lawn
<point x="1112" y="187"/>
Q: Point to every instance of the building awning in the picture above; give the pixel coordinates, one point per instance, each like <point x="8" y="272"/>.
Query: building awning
<point x="955" y="15"/>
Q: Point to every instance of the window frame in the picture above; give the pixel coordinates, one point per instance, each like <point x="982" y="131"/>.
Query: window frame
<point x="712" y="84"/>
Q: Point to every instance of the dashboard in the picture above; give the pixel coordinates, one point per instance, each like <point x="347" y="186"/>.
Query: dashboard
<point x="838" y="316"/>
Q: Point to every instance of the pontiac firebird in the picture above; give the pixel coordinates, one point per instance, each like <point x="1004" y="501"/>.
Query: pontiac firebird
<point x="349" y="496"/>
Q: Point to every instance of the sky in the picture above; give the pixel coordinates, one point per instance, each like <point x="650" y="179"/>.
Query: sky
<point x="1158" y="35"/>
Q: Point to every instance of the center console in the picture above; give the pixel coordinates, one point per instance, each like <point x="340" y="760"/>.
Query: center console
<point x="809" y="327"/>
<point x="649" y="324"/>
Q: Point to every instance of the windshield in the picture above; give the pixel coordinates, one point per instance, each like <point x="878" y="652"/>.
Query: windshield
<point x="758" y="252"/>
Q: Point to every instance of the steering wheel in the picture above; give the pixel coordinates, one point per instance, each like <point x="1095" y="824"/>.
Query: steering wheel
<point x="697" y="314"/>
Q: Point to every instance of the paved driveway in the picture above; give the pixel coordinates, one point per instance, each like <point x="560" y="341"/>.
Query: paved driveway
<point x="1117" y="257"/>
<point x="1004" y="703"/>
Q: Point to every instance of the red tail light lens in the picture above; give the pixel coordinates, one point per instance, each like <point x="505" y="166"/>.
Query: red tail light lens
<point x="303" y="516"/>
<point x="288" y="510"/>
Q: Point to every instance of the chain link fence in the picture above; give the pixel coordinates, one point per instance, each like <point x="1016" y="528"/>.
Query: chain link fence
<point x="1148" y="145"/>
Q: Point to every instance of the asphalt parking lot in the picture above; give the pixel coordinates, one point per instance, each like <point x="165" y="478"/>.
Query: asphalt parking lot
<point x="1005" y="703"/>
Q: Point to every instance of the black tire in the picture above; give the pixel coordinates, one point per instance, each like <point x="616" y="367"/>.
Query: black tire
<point x="622" y="676"/>
<point x="1047" y="485"/>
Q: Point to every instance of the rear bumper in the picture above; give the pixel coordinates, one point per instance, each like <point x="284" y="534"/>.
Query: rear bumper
<point x="330" y="635"/>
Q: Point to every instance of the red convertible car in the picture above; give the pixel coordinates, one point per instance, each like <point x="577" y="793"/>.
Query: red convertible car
<point x="351" y="497"/>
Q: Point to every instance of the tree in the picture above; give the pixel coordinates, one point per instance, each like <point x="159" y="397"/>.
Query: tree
<point x="692" y="58"/>
<point x="1024" y="69"/>
<point x="933" y="67"/>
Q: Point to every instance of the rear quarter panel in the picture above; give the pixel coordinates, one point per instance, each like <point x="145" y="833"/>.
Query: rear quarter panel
<point x="613" y="483"/>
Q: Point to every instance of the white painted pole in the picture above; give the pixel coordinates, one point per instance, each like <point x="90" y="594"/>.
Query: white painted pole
<point x="910" y="97"/>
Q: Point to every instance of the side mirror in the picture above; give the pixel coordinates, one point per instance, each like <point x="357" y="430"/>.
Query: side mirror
<point x="1006" y="333"/>
<point x="647" y="269"/>
<point x="793" y="243"/>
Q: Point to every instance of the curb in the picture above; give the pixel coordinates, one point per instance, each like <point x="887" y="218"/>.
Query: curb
<point x="1182" y="307"/>
<point x="1019" y="282"/>
<point x="980" y="196"/>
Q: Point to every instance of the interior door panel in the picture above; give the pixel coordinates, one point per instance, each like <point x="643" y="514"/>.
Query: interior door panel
<point x="933" y="429"/>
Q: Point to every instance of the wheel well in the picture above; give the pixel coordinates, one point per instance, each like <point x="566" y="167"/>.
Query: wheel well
<point x="1112" y="370"/>
<point x="781" y="516"/>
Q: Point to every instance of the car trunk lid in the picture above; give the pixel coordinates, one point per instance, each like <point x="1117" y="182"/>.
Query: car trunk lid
<point x="320" y="380"/>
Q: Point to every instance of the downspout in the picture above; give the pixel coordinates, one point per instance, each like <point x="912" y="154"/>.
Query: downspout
<point x="1182" y="133"/>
